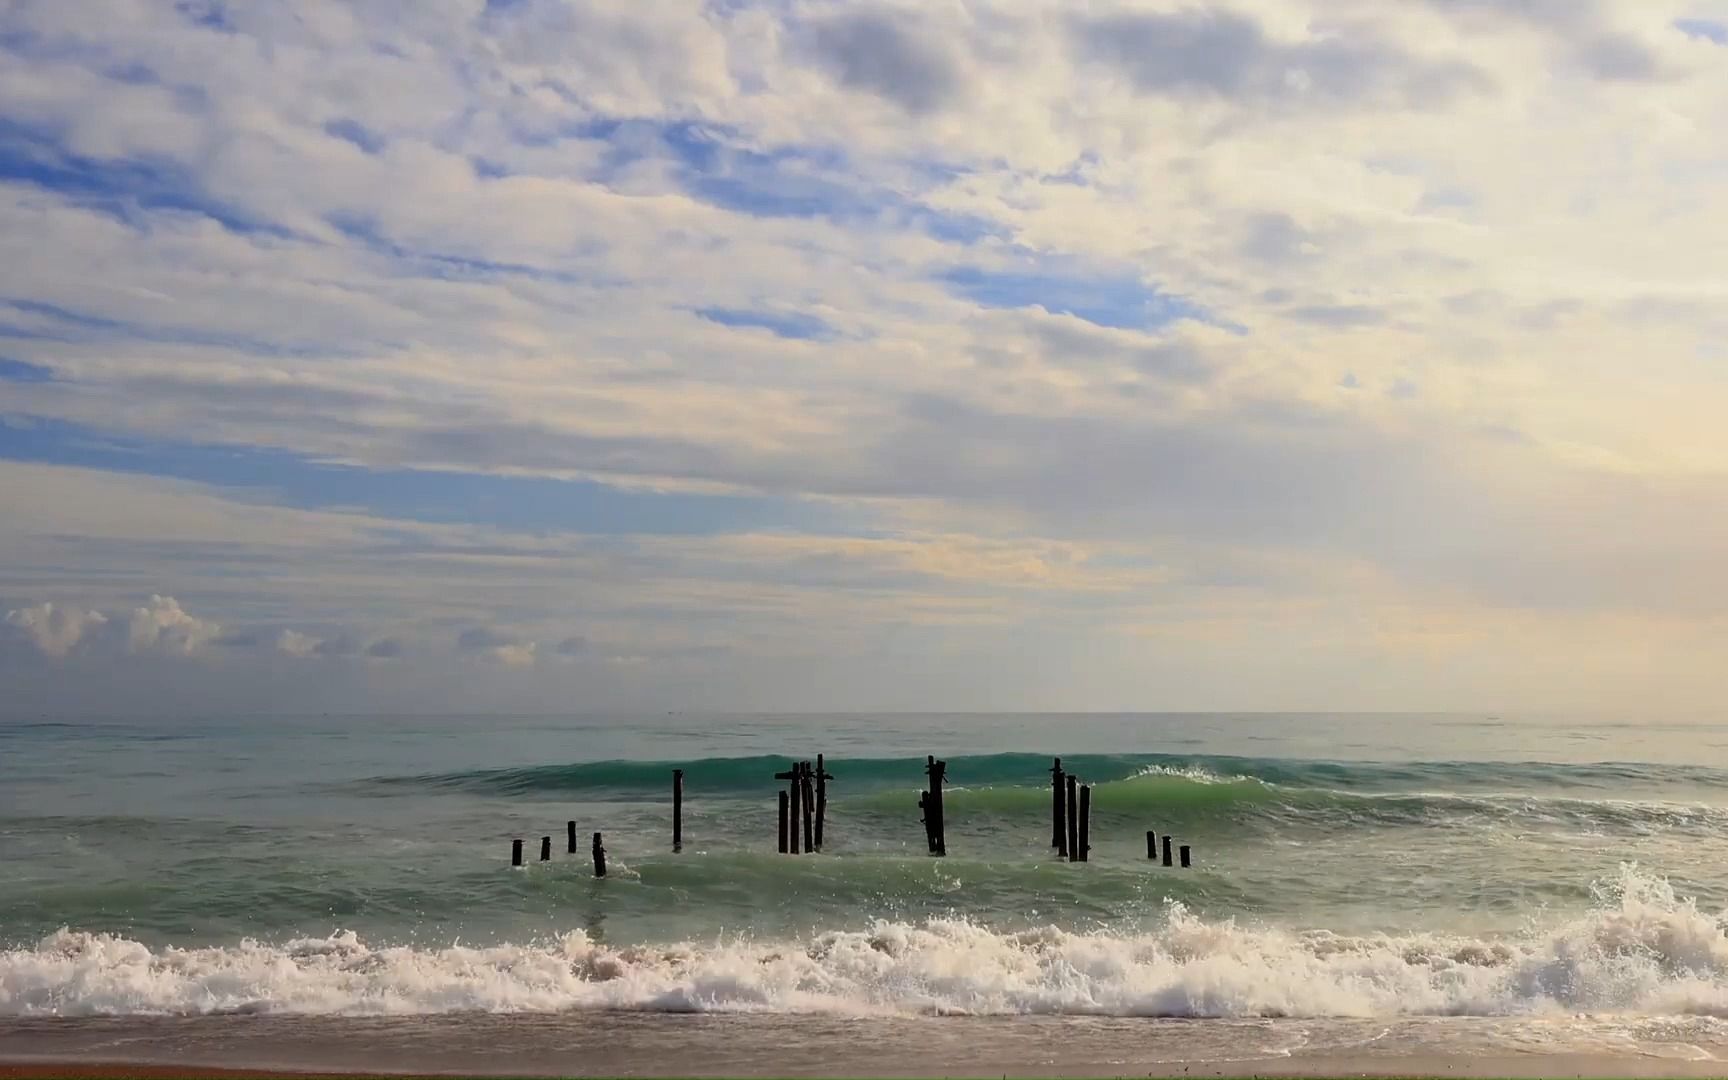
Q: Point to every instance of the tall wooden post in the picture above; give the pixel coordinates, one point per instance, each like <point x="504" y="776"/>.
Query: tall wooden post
<point x="569" y="838"/>
<point x="599" y="856"/>
<point x="822" y="779"/>
<point x="809" y="789"/>
<point x="1058" y="803"/>
<point x="784" y="799"/>
<point x="1085" y="821"/>
<point x="1151" y="844"/>
<point x="1166" y="849"/>
<point x="677" y="810"/>
<point x="1073" y="818"/>
<point x="933" y="807"/>
<point x="796" y="788"/>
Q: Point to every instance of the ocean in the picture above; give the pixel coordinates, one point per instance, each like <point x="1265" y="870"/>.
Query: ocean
<point x="1362" y="885"/>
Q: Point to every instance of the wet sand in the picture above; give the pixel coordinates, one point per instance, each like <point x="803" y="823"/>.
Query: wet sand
<point x="659" y="1044"/>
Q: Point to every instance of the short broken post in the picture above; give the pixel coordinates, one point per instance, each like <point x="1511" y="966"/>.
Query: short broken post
<point x="1185" y="862"/>
<point x="1166" y="849"/>
<point x="599" y="856"/>
<point x="545" y="849"/>
<point x="677" y="810"/>
<point x="1085" y="848"/>
<point x="515" y="853"/>
<point x="1058" y="806"/>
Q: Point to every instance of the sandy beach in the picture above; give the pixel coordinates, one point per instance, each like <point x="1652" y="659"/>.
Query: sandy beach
<point x="631" y="1044"/>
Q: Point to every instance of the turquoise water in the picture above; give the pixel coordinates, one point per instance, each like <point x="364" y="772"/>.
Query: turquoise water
<point x="1353" y="866"/>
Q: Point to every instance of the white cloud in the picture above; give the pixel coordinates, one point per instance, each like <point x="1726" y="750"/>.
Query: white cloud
<point x="163" y="626"/>
<point x="55" y="630"/>
<point x="294" y="643"/>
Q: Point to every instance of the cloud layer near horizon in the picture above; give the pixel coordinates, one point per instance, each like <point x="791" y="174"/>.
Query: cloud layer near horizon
<point x="814" y="355"/>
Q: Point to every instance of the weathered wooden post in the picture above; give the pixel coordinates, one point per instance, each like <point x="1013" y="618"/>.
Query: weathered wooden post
<point x="809" y="789"/>
<point x="1166" y="849"/>
<point x="1058" y="803"/>
<point x="924" y="820"/>
<point x="933" y="806"/>
<point x="784" y="799"/>
<point x="1073" y="817"/>
<point x="516" y="853"/>
<point x="545" y="849"/>
<point x="599" y="856"/>
<point x="569" y="838"/>
<point x="822" y="779"/>
<point x="1085" y="821"/>
<point x="677" y="810"/>
<point x="1185" y="863"/>
<point x="796" y="788"/>
<point x="1151" y="844"/>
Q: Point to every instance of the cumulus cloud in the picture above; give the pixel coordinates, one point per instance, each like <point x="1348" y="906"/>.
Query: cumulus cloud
<point x="294" y="643"/>
<point x="55" y="630"/>
<point x="162" y="625"/>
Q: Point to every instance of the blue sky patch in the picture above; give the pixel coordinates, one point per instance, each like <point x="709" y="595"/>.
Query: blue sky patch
<point x="119" y="187"/>
<point x="780" y="323"/>
<point x="352" y="131"/>
<point x="520" y="503"/>
<point x="1121" y="301"/>
<point x="23" y="371"/>
<point x="1706" y="29"/>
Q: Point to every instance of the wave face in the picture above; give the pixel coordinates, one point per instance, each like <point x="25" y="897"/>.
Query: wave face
<point x="1641" y="950"/>
<point x="738" y="774"/>
<point x="1194" y="792"/>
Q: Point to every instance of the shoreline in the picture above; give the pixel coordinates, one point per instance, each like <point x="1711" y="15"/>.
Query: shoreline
<point x="608" y="1044"/>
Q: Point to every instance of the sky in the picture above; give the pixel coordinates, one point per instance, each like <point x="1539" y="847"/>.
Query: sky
<point x="553" y="356"/>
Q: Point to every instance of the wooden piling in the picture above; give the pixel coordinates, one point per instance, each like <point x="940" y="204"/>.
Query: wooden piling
<point x="797" y="790"/>
<point x="809" y="789"/>
<point x="1166" y="849"/>
<point x="569" y="838"/>
<point x="1085" y="848"/>
<point x="1058" y="806"/>
<point x="599" y="856"/>
<point x="1151" y="844"/>
<point x="937" y="826"/>
<point x="677" y="810"/>
<point x="1185" y="862"/>
<point x="784" y="801"/>
<point x="545" y="849"/>
<point x="515" y="853"/>
<point x="1073" y="811"/>
<point x="822" y="779"/>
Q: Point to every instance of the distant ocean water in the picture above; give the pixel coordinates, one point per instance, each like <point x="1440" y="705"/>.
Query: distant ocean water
<point x="1345" y="867"/>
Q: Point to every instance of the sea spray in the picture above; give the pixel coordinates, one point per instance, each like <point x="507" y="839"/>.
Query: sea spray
<point x="1643" y="950"/>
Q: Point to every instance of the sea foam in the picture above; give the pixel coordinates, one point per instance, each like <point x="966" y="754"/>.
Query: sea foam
<point x="1643" y="950"/>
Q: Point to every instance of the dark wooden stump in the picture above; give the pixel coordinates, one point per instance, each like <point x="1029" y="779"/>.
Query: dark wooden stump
<point x="1073" y="812"/>
<point x="599" y="856"/>
<point x="677" y="810"/>
<point x="1166" y="850"/>
<point x="1185" y="862"/>
<point x="1058" y="808"/>
<point x="545" y="849"/>
<point x="785" y="806"/>
<point x="1085" y="821"/>
<point x="1151" y="844"/>
<point x="515" y="853"/>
